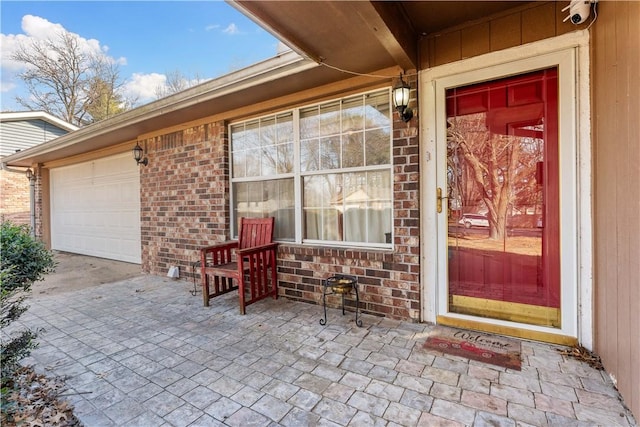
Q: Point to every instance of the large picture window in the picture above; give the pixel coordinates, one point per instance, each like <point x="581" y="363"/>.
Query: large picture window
<point x="323" y="170"/>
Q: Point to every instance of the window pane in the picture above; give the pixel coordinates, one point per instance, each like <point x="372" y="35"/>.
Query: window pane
<point x="268" y="158"/>
<point x="256" y="147"/>
<point x="239" y="164"/>
<point x="239" y="138"/>
<point x="285" y="128"/>
<point x="330" y="119"/>
<point x="263" y="199"/>
<point x="267" y="132"/>
<point x="352" y="115"/>
<point x="252" y="139"/>
<point x="379" y="206"/>
<point x="353" y="150"/>
<point x="309" y="123"/>
<point x="321" y="218"/>
<point x="378" y="150"/>
<point x="310" y="155"/>
<point x="330" y="153"/>
<point x="377" y="110"/>
<point x="253" y="162"/>
<point x="285" y="158"/>
<point x="352" y="207"/>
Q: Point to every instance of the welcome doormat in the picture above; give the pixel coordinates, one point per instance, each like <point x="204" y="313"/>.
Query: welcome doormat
<point x="488" y="348"/>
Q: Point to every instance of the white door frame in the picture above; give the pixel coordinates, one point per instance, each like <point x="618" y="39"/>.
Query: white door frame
<point x="571" y="53"/>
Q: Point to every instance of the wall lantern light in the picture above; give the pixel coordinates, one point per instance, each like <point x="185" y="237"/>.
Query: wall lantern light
<point x="137" y="155"/>
<point x="400" y="96"/>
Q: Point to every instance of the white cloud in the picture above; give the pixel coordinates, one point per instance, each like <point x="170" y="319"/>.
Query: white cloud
<point x="10" y="44"/>
<point x="231" y="29"/>
<point x="6" y="86"/>
<point x="36" y="29"/>
<point x="143" y="86"/>
<point x="211" y="27"/>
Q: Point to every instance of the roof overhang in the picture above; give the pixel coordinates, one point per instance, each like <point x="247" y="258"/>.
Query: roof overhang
<point x="37" y="115"/>
<point x="249" y="85"/>
<point x="362" y="35"/>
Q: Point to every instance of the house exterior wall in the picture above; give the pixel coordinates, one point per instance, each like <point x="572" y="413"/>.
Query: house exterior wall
<point x="528" y="24"/>
<point x="185" y="206"/>
<point x="616" y="135"/>
<point x="18" y="134"/>
<point x="184" y="196"/>
<point x="14" y="203"/>
<point x="22" y="134"/>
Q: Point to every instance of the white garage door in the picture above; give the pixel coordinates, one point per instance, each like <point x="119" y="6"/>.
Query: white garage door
<point x="95" y="208"/>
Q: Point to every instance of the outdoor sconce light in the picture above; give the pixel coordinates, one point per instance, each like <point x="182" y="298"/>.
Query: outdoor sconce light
<point x="401" y="100"/>
<point x="137" y="155"/>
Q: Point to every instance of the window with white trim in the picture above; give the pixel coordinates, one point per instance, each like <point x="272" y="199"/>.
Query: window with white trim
<point x="326" y="168"/>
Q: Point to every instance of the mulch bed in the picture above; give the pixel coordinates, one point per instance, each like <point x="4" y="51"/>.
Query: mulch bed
<point x="39" y="402"/>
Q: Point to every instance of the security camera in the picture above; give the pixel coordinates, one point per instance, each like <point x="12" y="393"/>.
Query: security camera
<point x="579" y="11"/>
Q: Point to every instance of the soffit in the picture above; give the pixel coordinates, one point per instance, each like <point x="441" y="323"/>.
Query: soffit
<point x="361" y="36"/>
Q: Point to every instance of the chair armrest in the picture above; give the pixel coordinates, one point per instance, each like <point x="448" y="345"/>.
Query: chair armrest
<point x="220" y="247"/>
<point x="257" y="249"/>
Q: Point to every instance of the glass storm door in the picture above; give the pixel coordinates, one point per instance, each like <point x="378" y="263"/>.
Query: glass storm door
<point x="502" y="199"/>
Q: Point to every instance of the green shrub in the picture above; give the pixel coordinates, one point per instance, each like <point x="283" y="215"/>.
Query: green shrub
<point x="23" y="261"/>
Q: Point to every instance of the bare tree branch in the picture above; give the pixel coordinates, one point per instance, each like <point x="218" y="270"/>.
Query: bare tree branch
<point x="67" y="82"/>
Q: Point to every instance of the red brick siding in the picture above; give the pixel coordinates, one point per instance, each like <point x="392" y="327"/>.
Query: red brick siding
<point x="184" y="197"/>
<point x="14" y="203"/>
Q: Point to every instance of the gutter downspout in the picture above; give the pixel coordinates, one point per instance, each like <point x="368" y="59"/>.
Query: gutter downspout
<point x="32" y="193"/>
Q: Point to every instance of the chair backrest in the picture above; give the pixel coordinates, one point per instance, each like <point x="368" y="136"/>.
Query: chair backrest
<point x="255" y="232"/>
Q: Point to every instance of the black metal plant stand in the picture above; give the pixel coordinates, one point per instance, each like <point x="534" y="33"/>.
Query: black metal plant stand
<point x="340" y="285"/>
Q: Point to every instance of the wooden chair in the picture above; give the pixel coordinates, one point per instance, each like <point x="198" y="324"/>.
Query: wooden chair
<point x="250" y="261"/>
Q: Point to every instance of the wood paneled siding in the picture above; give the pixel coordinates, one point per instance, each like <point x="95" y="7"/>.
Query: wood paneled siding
<point x="615" y="59"/>
<point x="530" y="23"/>
<point x="615" y="62"/>
<point x="23" y="134"/>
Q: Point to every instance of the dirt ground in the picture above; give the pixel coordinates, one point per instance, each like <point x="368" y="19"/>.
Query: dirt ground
<point x="75" y="272"/>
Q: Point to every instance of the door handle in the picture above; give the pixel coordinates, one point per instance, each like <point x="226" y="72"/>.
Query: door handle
<point x="439" y="199"/>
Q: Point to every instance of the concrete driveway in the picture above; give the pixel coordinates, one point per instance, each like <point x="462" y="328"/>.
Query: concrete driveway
<point x="143" y="351"/>
<point x="75" y="272"/>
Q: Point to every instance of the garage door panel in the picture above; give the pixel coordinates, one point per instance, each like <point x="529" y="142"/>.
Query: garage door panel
<point x="96" y="208"/>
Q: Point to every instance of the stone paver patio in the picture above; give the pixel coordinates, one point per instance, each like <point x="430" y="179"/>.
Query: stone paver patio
<point x="145" y="352"/>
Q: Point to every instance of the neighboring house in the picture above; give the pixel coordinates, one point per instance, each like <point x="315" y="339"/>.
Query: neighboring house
<point x="517" y="111"/>
<point x="19" y="131"/>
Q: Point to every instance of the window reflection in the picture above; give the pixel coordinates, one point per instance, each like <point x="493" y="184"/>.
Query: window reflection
<point x="344" y="170"/>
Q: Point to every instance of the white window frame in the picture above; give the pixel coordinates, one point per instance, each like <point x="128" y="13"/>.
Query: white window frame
<point x="298" y="175"/>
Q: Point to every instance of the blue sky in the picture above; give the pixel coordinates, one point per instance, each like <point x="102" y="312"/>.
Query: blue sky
<point x="148" y="38"/>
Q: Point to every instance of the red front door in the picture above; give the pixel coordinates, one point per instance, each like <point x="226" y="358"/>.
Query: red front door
<point x="503" y="193"/>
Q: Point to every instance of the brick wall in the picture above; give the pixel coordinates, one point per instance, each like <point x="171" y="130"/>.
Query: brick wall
<point x="185" y="205"/>
<point x="184" y="196"/>
<point x="14" y="200"/>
